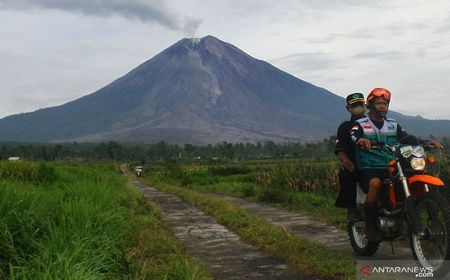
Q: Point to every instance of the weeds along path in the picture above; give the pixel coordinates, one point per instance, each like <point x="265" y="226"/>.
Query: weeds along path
<point x="222" y="252"/>
<point x="317" y="231"/>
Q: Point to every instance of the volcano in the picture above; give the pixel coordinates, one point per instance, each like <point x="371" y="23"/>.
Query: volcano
<point x="199" y="91"/>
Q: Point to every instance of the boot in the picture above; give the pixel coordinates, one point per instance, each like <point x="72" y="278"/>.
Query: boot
<point x="352" y="214"/>
<point x="370" y="218"/>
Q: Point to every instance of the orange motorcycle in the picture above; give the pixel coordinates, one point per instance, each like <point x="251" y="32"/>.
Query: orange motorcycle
<point x="410" y="207"/>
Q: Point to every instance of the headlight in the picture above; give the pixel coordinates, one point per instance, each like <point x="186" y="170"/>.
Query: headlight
<point x="418" y="163"/>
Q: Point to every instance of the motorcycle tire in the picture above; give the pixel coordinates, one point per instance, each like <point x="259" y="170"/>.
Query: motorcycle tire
<point x="434" y="215"/>
<point x="358" y="239"/>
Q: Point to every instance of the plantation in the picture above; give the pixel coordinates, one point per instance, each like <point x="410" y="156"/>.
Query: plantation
<point x="73" y="221"/>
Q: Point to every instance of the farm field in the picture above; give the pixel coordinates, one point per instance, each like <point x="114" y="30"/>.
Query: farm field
<point x="308" y="185"/>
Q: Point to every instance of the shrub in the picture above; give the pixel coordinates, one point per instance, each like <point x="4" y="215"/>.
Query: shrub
<point x="248" y="190"/>
<point x="47" y="173"/>
<point x="185" y="181"/>
<point x="312" y="177"/>
<point x="27" y="172"/>
<point x="173" y="169"/>
<point x="272" y="193"/>
<point x="229" y="170"/>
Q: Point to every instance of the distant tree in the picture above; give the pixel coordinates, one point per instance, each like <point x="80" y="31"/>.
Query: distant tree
<point x="114" y="150"/>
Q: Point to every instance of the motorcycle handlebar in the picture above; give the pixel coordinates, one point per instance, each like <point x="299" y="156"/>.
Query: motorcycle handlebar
<point x="427" y="145"/>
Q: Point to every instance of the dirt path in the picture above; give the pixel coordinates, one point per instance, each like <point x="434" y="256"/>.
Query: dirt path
<point x="318" y="231"/>
<point x="222" y="252"/>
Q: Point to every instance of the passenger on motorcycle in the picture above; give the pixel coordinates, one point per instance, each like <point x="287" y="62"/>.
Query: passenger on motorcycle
<point x="373" y="164"/>
<point x="345" y="151"/>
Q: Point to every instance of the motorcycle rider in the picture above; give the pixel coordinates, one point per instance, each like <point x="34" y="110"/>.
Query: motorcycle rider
<point x="345" y="151"/>
<point x="372" y="164"/>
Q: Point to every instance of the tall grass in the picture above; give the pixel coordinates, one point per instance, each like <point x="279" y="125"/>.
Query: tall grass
<point x="27" y="171"/>
<point x="72" y="221"/>
<point x="72" y="228"/>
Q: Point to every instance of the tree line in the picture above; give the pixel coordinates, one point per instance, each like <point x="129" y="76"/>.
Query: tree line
<point x="162" y="150"/>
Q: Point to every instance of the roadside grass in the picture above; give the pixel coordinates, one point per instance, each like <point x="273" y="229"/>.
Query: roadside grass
<point x="157" y="253"/>
<point x="81" y="221"/>
<point x="306" y="256"/>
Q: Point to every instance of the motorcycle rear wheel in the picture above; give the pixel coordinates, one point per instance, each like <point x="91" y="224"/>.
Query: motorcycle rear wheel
<point x="431" y="247"/>
<point x="358" y="239"/>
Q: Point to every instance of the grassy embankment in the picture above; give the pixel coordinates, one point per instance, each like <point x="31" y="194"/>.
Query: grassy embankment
<point x="307" y="256"/>
<point x="73" y="221"/>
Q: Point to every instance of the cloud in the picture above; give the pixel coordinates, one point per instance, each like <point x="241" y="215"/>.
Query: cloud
<point x="390" y="55"/>
<point x="146" y="11"/>
<point x="305" y="62"/>
<point x="444" y="27"/>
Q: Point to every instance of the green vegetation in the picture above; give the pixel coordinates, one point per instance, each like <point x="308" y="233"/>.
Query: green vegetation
<point x="27" y="171"/>
<point x="146" y="153"/>
<point x="304" y="185"/>
<point x="83" y="221"/>
<point x="71" y="221"/>
<point x="308" y="185"/>
<point x="160" y="151"/>
<point x="303" y="254"/>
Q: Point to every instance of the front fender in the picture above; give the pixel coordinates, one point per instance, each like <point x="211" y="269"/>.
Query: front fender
<point x="426" y="179"/>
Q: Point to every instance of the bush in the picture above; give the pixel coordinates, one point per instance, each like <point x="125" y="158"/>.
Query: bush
<point x="174" y="170"/>
<point x="320" y="178"/>
<point x="272" y="193"/>
<point x="27" y="172"/>
<point x="47" y="173"/>
<point x="248" y="190"/>
<point x="185" y="181"/>
<point x="229" y="170"/>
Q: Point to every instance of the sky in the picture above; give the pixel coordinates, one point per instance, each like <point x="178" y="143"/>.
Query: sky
<point x="55" y="51"/>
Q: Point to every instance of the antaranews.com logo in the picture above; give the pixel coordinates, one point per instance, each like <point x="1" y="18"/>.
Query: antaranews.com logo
<point x="389" y="269"/>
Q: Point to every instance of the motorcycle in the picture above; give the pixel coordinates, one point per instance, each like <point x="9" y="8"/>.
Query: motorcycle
<point x="138" y="171"/>
<point x="410" y="207"/>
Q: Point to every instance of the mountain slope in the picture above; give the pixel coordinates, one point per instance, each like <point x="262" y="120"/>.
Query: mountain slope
<point x="197" y="91"/>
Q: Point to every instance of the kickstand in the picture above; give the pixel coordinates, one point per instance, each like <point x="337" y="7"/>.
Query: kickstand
<point x="392" y="248"/>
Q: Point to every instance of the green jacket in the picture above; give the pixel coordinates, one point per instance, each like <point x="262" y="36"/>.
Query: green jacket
<point x="376" y="158"/>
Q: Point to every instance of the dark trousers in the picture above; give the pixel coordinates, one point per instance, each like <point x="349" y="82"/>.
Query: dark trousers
<point x="347" y="193"/>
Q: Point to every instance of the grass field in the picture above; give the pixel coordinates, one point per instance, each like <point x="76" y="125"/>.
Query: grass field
<point x="73" y="221"/>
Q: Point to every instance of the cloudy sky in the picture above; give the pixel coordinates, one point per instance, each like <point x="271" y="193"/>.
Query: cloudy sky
<point x="54" y="51"/>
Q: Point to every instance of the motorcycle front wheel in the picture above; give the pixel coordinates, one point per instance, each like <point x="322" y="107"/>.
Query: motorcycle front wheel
<point x="358" y="239"/>
<point x="431" y="246"/>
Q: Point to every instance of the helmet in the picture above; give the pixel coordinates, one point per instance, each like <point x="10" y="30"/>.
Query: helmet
<point x="377" y="92"/>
